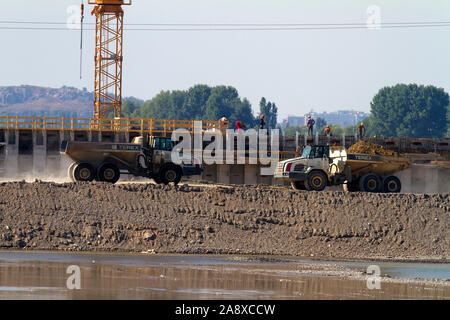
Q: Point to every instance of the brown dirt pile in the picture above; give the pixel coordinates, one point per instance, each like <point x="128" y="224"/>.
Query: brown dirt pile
<point x="370" y="148"/>
<point x="215" y="219"/>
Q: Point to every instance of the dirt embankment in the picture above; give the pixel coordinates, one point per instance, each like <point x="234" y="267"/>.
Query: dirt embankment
<point x="214" y="219"/>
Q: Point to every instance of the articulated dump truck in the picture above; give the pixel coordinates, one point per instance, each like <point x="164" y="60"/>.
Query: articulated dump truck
<point x="145" y="156"/>
<point x="321" y="166"/>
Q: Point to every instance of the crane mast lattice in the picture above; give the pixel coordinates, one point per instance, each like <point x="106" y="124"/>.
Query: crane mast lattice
<point x="108" y="57"/>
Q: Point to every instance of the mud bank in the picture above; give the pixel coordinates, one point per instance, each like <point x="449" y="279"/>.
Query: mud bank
<point x="218" y="219"/>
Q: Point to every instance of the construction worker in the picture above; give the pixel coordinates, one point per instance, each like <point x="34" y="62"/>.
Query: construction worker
<point x="310" y="124"/>
<point x="239" y="126"/>
<point x="327" y="131"/>
<point x="223" y="121"/>
<point x="361" y="130"/>
<point x="299" y="151"/>
<point x="262" y="123"/>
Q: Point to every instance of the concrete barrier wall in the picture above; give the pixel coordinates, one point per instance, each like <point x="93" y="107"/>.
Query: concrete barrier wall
<point x="41" y="160"/>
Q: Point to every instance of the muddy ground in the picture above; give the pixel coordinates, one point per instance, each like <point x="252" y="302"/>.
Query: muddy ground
<point x="220" y="219"/>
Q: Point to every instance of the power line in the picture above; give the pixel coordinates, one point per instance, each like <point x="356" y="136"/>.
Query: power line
<point x="41" y="25"/>
<point x="240" y="28"/>
<point x="241" y="24"/>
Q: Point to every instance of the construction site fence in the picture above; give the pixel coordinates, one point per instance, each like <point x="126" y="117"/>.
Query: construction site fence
<point x="289" y="145"/>
<point x="152" y="126"/>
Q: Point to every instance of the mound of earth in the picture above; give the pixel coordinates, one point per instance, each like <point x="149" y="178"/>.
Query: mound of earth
<point x="370" y="148"/>
<point x="219" y="219"/>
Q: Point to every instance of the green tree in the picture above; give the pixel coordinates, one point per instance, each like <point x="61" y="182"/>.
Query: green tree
<point x="350" y="130"/>
<point x="320" y="125"/>
<point x="290" y="131"/>
<point x="409" y="111"/>
<point x="270" y="112"/>
<point x="200" y="102"/>
<point x="448" y="122"/>
<point x="195" y="103"/>
<point x="128" y="107"/>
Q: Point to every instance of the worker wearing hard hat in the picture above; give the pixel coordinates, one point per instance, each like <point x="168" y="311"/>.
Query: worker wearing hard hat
<point x="310" y="124"/>
<point x="262" y="122"/>
<point x="239" y="125"/>
<point x="327" y="131"/>
<point x="223" y="121"/>
<point x="361" y="130"/>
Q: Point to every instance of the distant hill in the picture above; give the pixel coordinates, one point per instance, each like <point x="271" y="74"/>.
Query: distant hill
<point x="46" y="102"/>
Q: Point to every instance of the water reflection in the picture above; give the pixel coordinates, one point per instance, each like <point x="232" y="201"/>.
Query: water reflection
<point x="28" y="276"/>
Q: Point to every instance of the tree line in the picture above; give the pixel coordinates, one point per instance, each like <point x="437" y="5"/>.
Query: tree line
<point x="402" y="110"/>
<point x="202" y="102"/>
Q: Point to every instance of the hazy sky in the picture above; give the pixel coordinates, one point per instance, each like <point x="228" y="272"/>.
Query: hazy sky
<point x="299" y="70"/>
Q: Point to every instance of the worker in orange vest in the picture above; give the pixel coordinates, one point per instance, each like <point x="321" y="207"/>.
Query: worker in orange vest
<point x="327" y="131"/>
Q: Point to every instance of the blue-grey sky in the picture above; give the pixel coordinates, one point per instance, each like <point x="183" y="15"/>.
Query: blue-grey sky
<point x="299" y="70"/>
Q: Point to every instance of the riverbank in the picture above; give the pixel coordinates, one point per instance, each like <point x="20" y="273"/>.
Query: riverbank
<point x="43" y="275"/>
<point x="250" y="220"/>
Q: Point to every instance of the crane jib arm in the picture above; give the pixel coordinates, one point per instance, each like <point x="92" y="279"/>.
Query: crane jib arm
<point x="110" y="2"/>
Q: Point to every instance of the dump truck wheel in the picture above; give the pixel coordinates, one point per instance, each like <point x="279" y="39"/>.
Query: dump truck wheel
<point x="351" y="186"/>
<point x="298" y="185"/>
<point x="370" y="182"/>
<point x="108" y="172"/>
<point x="316" y="181"/>
<point x="157" y="179"/>
<point x="170" y="174"/>
<point x="392" y="184"/>
<point x="84" y="172"/>
<point x="70" y="172"/>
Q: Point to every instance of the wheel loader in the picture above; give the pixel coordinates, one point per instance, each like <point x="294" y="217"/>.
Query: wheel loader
<point x="322" y="166"/>
<point x="146" y="156"/>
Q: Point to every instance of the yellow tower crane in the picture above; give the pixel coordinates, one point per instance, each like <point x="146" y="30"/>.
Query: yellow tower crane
<point x="108" y="56"/>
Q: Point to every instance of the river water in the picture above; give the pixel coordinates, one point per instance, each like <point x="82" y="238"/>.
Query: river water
<point x="43" y="275"/>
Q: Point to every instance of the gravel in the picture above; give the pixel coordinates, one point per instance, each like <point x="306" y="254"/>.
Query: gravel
<point x="224" y="220"/>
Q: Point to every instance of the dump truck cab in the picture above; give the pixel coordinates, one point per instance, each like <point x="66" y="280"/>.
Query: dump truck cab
<point x="146" y="156"/>
<point x="321" y="166"/>
<point x="310" y="171"/>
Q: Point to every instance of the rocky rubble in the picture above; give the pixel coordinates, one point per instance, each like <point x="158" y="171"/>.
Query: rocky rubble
<point x="220" y="219"/>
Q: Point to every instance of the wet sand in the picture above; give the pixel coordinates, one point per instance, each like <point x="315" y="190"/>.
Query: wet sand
<point x="42" y="275"/>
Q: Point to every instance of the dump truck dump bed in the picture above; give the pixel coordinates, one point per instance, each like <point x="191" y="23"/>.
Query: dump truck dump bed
<point x="97" y="152"/>
<point x="379" y="164"/>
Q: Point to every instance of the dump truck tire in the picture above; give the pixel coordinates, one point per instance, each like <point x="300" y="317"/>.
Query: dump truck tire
<point x="298" y="185"/>
<point x="392" y="184"/>
<point x="370" y="182"/>
<point x="170" y="173"/>
<point x="108" y="172"/>
<point x="84" y="172"/>
<point x="316" y="181"/>
<point x="70" y="172"/>
<point x="351" y="186"/>
<point x="157" y="179"/>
